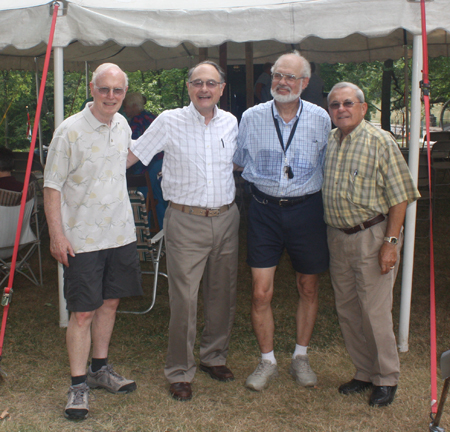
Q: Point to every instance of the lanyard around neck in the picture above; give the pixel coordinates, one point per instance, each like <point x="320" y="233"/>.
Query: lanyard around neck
<point x="291" y="136"/>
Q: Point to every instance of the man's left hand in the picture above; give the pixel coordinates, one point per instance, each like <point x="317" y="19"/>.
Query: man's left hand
<point x="387" y="257"/>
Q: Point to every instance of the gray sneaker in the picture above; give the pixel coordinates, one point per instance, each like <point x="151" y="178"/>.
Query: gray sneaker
<point x="261" y="377"/>
<point x="108" y="379"/>
<point x="77" y="407"/>
<point x="302" y="372"/>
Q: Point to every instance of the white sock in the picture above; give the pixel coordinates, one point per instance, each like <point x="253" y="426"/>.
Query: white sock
<point x="299" y="350"/>
<point x="269" y="356"/>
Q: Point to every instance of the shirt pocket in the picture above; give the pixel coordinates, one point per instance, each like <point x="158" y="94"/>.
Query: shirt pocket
<point x="361" y="190"/>
<point x="226" y="151"/>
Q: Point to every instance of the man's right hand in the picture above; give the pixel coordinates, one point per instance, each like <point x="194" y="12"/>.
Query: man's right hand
<point x="60" y="247"/>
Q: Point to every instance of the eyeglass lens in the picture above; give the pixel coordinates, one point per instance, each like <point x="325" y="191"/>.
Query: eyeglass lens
<point x="106" y="90"/>
<point x="278" y="76"/>
<point x="346" y="104"/>
<point x="199" y="83"/>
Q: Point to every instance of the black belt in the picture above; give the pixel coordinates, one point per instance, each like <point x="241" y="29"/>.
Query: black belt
<point x="364" y="225"/>
<point x="282" y="202"/>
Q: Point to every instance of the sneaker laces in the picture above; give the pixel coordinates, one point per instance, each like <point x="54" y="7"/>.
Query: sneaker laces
<point x="113" y="373"/>
<point x="303" y="365"/>
<point x="261" y="368"/>
<point x="79" y="394"/>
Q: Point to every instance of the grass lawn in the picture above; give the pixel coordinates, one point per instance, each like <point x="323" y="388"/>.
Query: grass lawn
<point x="35" y="358"/>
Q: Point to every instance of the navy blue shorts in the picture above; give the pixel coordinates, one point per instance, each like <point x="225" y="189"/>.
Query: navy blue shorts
<point x="300" y="229"/>
<point x="105" y="274"/>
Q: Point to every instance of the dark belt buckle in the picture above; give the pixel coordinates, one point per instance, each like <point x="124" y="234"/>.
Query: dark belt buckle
<point x="283" y="202"/>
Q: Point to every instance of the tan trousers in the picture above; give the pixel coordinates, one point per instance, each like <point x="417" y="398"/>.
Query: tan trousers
<point x="364" y="303"/>
<point x="199" y="247"/>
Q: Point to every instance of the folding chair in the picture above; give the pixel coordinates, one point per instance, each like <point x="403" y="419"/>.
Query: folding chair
<point x="143" y="180"/>
<point x="29" y="239"/>
<point x="150" y="249"/>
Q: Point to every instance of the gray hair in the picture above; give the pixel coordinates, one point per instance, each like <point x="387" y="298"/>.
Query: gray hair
<point x="209" y="62"/>
<point x="135" y="99"/>
<point x="306" y="67"/>
<point x="358" y="92"/>
<point x="103" y="68"/>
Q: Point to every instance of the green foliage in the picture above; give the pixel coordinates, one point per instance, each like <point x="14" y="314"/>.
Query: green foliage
<point x="166" y="89"/>
<point x="368" y="76"/>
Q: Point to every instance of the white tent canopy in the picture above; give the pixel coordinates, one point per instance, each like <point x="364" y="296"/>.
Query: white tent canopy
<point x="144" y="34"/>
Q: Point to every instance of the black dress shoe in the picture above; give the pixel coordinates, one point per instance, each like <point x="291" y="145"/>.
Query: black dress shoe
<point x="219" y="373"/>
<point x="354" y="386"/>
<point x="382" y="395"/>
<point x="181" y="391"/>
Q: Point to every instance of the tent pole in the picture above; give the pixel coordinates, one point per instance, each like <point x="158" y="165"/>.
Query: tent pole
<point x="223" y="60"/>
<point x="59" y="117"/>
<point x="249" y="73"/>
<point x="410" y="220"/>
<point x="86" y="67"/>
<point x="41" y="151"/>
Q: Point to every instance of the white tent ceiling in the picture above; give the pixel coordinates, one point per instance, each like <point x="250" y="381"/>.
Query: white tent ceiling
<point x="142" y="34"/>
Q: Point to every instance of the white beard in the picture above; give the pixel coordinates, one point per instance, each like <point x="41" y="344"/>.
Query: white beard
<point x="291" y="97"/>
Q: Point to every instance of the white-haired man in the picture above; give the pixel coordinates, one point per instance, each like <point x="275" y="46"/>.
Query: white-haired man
<point x="366" y="189"/>
<point x="281" y="147"/>
<point x="92" y="232"/>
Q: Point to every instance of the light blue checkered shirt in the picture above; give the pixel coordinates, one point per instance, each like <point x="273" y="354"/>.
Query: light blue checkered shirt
<point x="260" y="154"/>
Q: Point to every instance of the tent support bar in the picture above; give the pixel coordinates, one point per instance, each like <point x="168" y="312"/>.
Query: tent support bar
<point x="58" y="56"/>
<point x="410" y="221"/>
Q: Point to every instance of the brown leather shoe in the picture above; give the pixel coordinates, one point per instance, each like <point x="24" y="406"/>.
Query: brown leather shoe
<point x="219" y="373"/>
<point x="181" y="391"/>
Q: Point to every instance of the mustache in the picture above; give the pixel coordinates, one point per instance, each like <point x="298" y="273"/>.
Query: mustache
<point x="283" y="87"/>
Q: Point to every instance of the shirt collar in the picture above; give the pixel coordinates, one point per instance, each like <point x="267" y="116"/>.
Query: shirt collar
<point x="93" y="121"/>
<point x="277" y="115"/>
<point x="358" y="129"/>
<point x="201" y="118"/>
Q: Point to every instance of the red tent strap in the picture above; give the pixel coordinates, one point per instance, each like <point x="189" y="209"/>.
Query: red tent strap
<point x="6" y="299"/>
<point x="426" y="98"/>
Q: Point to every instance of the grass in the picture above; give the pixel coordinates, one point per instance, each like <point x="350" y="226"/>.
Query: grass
<point x="35" y="358"/>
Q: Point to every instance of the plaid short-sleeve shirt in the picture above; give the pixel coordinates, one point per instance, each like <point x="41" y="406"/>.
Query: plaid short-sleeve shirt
<point x="365" y="175"/>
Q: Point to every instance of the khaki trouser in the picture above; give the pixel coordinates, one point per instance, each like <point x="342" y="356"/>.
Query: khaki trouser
<point x="364" y="302"/>
<point x="199" y="247"/>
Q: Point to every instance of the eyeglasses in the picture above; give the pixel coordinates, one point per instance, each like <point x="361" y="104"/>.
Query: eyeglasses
<point x="346" y="104"/>
<point x="106" y="90"/>
<point x="276" y="76"/>
<point x="198" y="83"/>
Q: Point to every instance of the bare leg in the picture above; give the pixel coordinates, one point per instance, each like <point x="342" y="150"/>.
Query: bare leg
<point x="308" y="288"/>
<point x="78" y="339"/>
<point x="262" y="317"/>
<point x="102" y="327"/>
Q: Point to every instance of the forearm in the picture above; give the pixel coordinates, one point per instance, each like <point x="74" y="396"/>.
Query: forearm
<point x="396" y="219"/>
<point x="387" y="256"/>
<point x="52" y="207"/>
<point x="60" y="246"/>
<point x="131" y="159"/>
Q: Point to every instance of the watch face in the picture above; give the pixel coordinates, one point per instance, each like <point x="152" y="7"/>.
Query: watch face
<point x="393" y="240"/>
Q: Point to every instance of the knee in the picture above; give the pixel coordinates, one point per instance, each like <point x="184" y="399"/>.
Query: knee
<point x="261" y="297"/>
<point x="81" y="319"/>
<point x="308" y="289"/>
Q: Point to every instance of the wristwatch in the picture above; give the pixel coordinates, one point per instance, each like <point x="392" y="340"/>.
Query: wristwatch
<point x="393" y="240"/>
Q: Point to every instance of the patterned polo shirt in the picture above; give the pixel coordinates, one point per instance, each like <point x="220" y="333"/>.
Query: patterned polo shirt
<point x="86" y="162"/>
<point x="365" y="175"/>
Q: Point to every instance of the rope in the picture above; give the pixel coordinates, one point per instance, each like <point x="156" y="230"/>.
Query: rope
<point x="426" y="98"/>
<point x="8" y="290"/>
